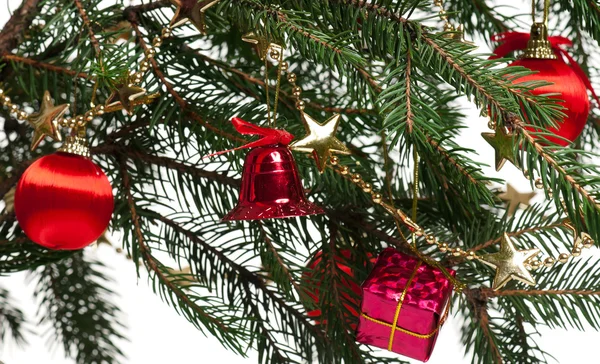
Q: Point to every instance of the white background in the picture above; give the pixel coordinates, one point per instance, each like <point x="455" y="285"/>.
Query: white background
<point x="157" y="334"/>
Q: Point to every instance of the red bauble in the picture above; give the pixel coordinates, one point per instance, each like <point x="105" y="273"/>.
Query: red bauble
<point x="348" y="281"/>
<point x="570" y="89"/>
<point x="271" y="187"/>
<point x="64" y="201"/>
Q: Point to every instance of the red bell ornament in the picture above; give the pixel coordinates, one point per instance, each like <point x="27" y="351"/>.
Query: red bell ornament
<point x="545" y="56"/>
<point x="64" y="201"/>
<point x="271" y="187"/>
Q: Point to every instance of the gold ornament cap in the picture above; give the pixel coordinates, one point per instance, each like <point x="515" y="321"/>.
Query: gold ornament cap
<point x="75" y="144"/>
<point x="538" y="46"/>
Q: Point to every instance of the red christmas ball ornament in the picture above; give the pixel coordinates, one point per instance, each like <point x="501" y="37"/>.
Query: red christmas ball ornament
<point x="570" y="90"/>
<point x="64" y="201"/>
<point x="568" y="81"/>
<point x="348" y="281"/>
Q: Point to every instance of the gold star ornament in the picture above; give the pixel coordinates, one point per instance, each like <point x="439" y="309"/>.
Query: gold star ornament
<point x="192" y="11"/>
<point x="45" y="122"/>
<point x="503" y="143"/>
<point x="126" y="94"/>
<point x="514" y="198"/>
<point x="320" y="140"/>
<point x="510" y="263"/>
<point x="261" y="44"/>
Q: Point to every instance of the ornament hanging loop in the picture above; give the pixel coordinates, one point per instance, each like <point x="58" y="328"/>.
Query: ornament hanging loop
<point x="538" y="46"/>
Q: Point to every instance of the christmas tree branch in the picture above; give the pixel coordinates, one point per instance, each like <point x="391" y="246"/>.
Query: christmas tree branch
<point x="273" y="250"/>
<point x="448" y="157"/>
<point x="12" y="320"/>
<point x="248" y="276"/>
<point x="166" y="162"/>
<point x="214" y="325"/>
<point x="538" y="292"/>
<point x="283" y="93"/>
<point x="88" y="25"/>
<point x="131" y="12"/>
<point x="74" y="295"/>
<point x="480" y="314"/>
<point x="43" y="65"/>
<point x="518" y="233"/>
<point x="171" y="90"/>
<point x="13" y="31"/>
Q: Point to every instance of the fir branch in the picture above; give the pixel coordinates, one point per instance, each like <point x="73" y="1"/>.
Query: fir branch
<point x="12" y="32"/>
<point x="518" y="233"/>
<point x="539" y="292"/>
<point x="88" y="25"/>
<point x="74" y="295"/>
<point x="448" y="157"/>
<point x="166" y="162"/>
<point x="43" y="65"/>
<point x="171" y="90"/>
<point x="12" y="320"/>
<point x="217" y="327"/>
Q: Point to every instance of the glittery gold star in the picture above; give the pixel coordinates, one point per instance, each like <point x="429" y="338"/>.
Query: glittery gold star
<point x="261" y="44"/>
<point x="514" y="198"/>
<point x="192" y="11"/>
<point x="503" y="144"/>
<point x="510" y="263"/>
<point x="45" y="122"/>
<point x="320" y="140"/>
<point x="126" y="94"/>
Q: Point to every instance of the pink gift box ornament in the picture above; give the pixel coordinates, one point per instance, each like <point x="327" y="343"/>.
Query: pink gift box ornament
<point x="404" y="304"/>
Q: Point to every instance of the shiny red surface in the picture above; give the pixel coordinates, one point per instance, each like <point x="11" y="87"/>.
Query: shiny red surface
<point x="63" y="201"/>
<point x="351" y="302"/>
<point x="422" y="307"/>
<point x="271" y="187"/>
<point x="572" y="93"/>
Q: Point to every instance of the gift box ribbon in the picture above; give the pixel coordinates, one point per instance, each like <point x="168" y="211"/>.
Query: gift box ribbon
<point x="394" y="323"/>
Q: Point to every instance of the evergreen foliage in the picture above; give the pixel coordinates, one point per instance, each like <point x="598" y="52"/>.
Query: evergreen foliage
<point x="394" y="78"/>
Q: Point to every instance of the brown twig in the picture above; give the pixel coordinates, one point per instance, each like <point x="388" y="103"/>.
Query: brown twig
<point x="88" y="24"/>
<point x="12" y="32"/>
<point x="131" y="12"/>
<point x="478" y="301"/>
<point x="43" y="65"/>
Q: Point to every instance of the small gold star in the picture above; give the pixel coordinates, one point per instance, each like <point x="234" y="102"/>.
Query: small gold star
<point x="513" y="198"/>
<point x="261" y="44"/>
<point x="503" y="144"/>
<point x="320" y="140"/>
<point x="510" y="263"/>
<point x="45" y="122"/>
<point x="126" y="94"/>
<point x="192" y="11"/>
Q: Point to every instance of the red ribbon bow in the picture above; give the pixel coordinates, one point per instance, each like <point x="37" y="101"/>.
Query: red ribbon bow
<point x="269" y="136"/>
<point x="511" y="41"/>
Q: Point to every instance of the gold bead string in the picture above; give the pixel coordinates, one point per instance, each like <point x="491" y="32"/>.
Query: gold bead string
<point x="276" y="52"/>
<point x="70" y="122"/>
<point x="149" y="53"/>
<point x="584" y="240"/>
<point x="398" y="214"/>
<point x="443" y="15"/>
